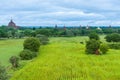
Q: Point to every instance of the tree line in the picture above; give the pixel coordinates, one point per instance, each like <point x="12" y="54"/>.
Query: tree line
<point x="6" y="32"/>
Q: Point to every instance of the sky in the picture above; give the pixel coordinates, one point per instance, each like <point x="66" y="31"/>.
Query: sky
<point x="60" y="12"/>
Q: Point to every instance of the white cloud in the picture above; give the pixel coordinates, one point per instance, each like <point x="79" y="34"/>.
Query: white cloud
<point x="69" y="12"/>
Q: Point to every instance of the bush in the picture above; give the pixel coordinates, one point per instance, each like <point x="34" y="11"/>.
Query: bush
<point x="32" y="44"/>
<point x="43" y="39"/>
<point x="26" y="55"/>
<point x="3" y="73"/>
<point x="108" y="38"/>
<point x="94" y="36"/>
<point x="104" y="48"/>
<point x="115" y="37"/>
<point x="69" y="33"/>
<point x="114" y="46"/>
<point x="14" y="61"/>
<point x="92" y="46"/>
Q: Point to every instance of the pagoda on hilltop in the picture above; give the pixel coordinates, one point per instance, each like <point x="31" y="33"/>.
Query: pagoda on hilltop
<point x="11" y="24"/>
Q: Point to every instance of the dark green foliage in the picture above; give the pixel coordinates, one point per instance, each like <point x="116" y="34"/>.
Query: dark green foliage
<point x="69" y="33"/>
<point x="46" y="32"/>
<point x="115" y="37"/>
<point x="94" y="36"/>
<point x="104" y="48"/>
<point x="43" y="39"/>
<point x="92" y="46"/>
<point x="3" y="73"/>
<point x="26" y="54"/>
<point x="27" y="32"/>
<point x="32" y="44"/>
<point x="14" y="60"/>
<point x="108" y="38"/>
<point x="114" y="45"/>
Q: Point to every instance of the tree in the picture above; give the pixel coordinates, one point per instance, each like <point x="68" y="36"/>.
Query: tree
<point x="14" y="60"/>
<point x="69" y="33"/>
<point x="108" y="38"/>
<point x="92" y="46"/>
<point x="46" y="32"/>
<point x="12" y="32"/>
<point x="94" y="36"/>
<point x="26" y="54"/>
<point x="115" y="37"/>
<point x="3" y="73"/>
<point x="43" y="39"/>
<point x="27" y="32"/>
<point x="32" y="44"/>
<point x="104" y="48"/>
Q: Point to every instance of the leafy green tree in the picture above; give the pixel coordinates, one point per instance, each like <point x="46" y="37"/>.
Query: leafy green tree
<point x="14" y="60"/>
<point x="32" y="44"/>
<point x="3" y="33"/>
<point x="9" y="34"/>
<point x="69" y="33"/>
<point x="26" y="54"/>
<point x="43" y="39"/>
<point x="27" y="32"/>
<point x="12" y="32"/>
<point x="108" y="38"/>
<point x="114" y="37"/>
<point x="104" y="48"/>
<point x="46" y="32"/>
<point x="92" y="46"/>
<point x="94" y="36"/>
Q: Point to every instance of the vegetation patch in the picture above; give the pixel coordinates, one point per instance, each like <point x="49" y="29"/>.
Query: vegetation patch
<point x="65" y="59"/>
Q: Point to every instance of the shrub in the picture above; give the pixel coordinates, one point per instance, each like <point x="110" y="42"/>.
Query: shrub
<point x="26" y="55"/>
<point x="92" y="46"/>
<point x="69" y="33"/>
<point x="14" y="61"/>
<point x="43" y="39"/>
<point x="32" y="44"/>
<point x="115" y="37"/>
<point x="114" y="46"/>
<point x="3" y="73"/>
<point x="108" y="38"/>
<point x="94" y="36"/>
<point x="104" y="48"/>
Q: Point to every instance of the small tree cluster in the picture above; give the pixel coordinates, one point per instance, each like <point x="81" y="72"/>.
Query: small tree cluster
<point x="31" y="47"/>
<point x="27" y="54"/>
<point x="115" y="37"/>
<point x="104" y="48"/>
<point x="14" y="60"/>
<point x="69" y="33"/>
<point x="32" y="44"/>
<point x="43" y="39"/>
<point x="94" y="36"/>
<point x="94" y="46"/>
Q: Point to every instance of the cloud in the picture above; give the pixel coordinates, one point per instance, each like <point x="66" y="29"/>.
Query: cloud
<point x="69" y="12"/>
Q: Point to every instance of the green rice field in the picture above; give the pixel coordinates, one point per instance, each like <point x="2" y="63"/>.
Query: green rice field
<point x="65" y="59"/>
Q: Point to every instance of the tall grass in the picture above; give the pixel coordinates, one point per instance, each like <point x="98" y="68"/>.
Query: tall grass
<point x="65" y="59"/>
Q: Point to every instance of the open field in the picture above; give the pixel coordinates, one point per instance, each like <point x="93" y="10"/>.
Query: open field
<point x="9" y="48"/>
<point x="65" y="59"/>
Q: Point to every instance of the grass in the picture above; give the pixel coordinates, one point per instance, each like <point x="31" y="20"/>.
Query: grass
<point x="65" y="59"/>
<point x="9" y="48"/>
